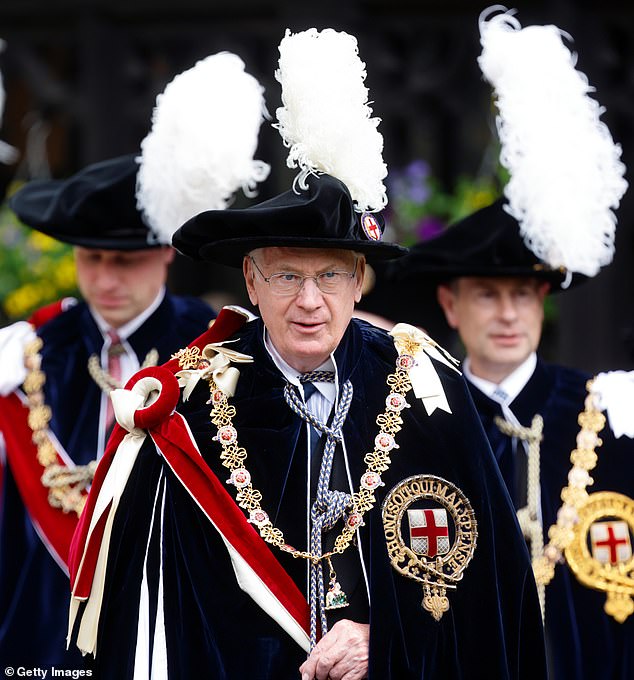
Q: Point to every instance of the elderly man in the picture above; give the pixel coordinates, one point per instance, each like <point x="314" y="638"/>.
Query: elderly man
<point x="491" y="287"/>
<point x="321" y="497"/>
<point x="55" y="416"/>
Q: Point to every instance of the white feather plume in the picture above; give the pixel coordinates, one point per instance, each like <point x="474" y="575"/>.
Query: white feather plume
<point x="566" y="172"/>
<point x="200" y="149"/>
<point x="8" y="153"/>
<point x="325" y="119"/>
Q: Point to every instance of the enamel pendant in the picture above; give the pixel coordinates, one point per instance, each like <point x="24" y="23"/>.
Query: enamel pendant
<point x="335" y="597"/>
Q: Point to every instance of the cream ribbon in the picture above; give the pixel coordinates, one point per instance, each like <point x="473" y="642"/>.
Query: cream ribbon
<point x="615" y="393"/>
<point x="220" y="359"/>
<point x="125" y="403"/>
<point x="423" y="376"/>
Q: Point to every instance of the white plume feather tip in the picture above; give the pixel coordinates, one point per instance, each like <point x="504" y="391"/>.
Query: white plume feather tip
<point x="200" y="149"/>
<point x="326" y="121"/>
<point x="566" y="171"/>
<point x="8" y="154"/>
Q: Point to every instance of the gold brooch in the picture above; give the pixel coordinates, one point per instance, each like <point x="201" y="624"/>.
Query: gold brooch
<point x="442" y="536"/>
<point x="600" y="553"/>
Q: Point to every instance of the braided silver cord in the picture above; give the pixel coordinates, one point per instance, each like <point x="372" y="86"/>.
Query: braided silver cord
<point x="329" y="506"/>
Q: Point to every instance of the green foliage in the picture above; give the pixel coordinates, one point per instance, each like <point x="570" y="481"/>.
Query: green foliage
<point x="34" y="268"/>
<point x="419" y="208"/>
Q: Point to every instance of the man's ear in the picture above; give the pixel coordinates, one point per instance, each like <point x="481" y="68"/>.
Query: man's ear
<point x="358" y="293"/>
<point x="170" y="254"/>
<point x="543" y="289"/>
<point x="447" y="300"/>
<point x="248" y="272"/>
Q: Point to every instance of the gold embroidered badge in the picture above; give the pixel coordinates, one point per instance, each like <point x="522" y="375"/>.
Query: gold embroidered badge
<point x="441" y="539"/>
<point x="600" y="553"/>
<point x="188" y="357"/>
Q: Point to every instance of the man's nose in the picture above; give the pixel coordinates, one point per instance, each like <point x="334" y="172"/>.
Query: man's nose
<point x="507" y="307"/>
<point x="106" y="276"/>
<point x="309" y="294"/>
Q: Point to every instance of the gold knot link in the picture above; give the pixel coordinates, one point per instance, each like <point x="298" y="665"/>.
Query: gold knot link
<point x="39" y="417"/>
<point x="591" y="420"/>
<point x="188" y="357"/>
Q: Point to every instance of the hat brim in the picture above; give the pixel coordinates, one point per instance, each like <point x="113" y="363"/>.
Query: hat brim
<point x="95" y="208"/>
<point x="232" y="251"/>
<point x="485" y="244"/>
<point x="320" y="216"/>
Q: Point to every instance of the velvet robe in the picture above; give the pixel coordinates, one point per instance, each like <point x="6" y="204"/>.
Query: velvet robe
<point x="493" y="627"/>
<point x="583" y="642"/>
<point x="34" y="588"/>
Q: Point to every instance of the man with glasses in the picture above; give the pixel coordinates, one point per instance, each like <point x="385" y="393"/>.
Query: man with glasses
<point x="322" y="496"/>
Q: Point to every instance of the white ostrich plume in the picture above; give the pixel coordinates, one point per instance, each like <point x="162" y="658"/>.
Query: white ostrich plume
<point x="566" y="172"/>
<point x="326" y="120"/>
<point x="8" y="153"/>
<point x="200" y="149"/>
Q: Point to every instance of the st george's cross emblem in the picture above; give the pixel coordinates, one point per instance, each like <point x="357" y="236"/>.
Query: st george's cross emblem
<point x="370" y="226"/>
<point x="429" y="531"/>
<point x="610" y="542"/>
<point x="600" y="553"/>
<point x="442" y="539"/>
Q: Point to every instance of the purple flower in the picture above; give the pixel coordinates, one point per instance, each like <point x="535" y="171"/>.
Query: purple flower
<point x="428" y="228"/>
<point x="417" y="171"/>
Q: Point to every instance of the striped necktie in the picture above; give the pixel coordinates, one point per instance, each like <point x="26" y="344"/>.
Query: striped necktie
<point x="115" y="350"/>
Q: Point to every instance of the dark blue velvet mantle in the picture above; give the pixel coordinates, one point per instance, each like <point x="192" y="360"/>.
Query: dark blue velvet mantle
<point x="493" y="628"/>
<point x="584" y="643"/>
<point x="34" y="590"/>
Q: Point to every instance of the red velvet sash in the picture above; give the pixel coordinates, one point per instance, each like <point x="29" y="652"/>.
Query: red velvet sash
<point x="174" y="443"/>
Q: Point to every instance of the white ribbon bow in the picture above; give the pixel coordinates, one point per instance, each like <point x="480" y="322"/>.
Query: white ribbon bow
<point x="423" y="376"/>
<point x="13" y="340"/>
<point x="615" y="393"/>
<point x="220" y="359"/>
<point x="125" y="403"/>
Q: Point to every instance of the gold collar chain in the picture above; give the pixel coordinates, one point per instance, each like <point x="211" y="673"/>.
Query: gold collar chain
<point x="574" y="494"/>
<point x="378" y="461"/>
<point x="102" y="377"/>
<point x="66" y="485"/>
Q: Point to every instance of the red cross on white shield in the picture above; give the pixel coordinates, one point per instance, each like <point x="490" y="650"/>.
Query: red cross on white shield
<point x="429" y="531"/>
<point x="610" y="541"/>
<point x="371" y="227"/>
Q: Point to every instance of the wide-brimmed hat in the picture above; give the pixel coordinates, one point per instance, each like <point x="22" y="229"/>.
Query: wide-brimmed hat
<point x="320" y="216"/>
<point x="95" y="208"/>
<point x="338" y="193"/>
<point x="487" y="243"/>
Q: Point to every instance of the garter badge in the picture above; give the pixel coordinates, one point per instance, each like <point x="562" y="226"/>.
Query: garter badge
<point x="600" y="553"/>
<point x="441" y="536"/>
<point x="370" y="226"/>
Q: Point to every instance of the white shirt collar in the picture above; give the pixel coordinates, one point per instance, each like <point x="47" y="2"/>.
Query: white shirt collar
<point x="507" y="390"/>
<point x="127" y="329"/>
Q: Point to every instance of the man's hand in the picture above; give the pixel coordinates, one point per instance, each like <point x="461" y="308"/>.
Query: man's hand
<point x="342" y="654"/>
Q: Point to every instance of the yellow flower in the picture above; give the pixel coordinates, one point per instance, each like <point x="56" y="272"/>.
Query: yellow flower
<point x="64" y="274"/>
<point x="42" y="242"/>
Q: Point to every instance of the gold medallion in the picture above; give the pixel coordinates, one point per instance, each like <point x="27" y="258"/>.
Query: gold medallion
<point x="600" y="553"/>
<point x="442" y="536"/>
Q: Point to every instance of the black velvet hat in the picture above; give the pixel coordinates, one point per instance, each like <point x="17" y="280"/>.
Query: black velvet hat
<point x="95" y="208"/>
<point x="320" y="216"/>
<point x="486" y="243"/>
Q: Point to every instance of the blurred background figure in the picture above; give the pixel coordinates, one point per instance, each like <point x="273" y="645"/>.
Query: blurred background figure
<point x="493" y="270"/>
<point x="68" y="365"/>
<point x="58" y="372"/>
